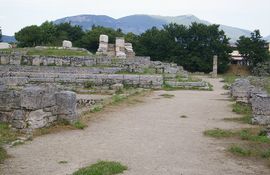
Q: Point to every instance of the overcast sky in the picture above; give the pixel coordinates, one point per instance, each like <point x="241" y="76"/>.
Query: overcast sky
<point x="246" y="14"/>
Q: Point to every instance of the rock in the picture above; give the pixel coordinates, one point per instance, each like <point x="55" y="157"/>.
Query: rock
<point x="67" y="44"/>
<point x="66" y="105"/>
<point x="117" y="86"/>
<point x="4" y="60"/>
<point x="18" y="119"/>
<point x="9" y="99"/>
<point x="40" y="119"/>
<point x="260" y="109"/>
<point x="241" y="90"/>
<point x="37" y="97"/>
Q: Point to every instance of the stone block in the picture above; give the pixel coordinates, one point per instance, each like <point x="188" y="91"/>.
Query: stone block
<point x="66" y="105"/>
<point x="67" y="44"/>
<point x="104" y="38"/>
<point x="36" y="97"/>
<point x="4" y="59"/>
<point x="40" y="119"/>
<point x="261" y="109"/>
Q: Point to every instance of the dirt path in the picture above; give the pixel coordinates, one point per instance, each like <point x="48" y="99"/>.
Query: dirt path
<point x="150" y="138"/>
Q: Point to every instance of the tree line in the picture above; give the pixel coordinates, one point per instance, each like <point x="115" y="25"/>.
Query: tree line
<point x="192" y="47"/>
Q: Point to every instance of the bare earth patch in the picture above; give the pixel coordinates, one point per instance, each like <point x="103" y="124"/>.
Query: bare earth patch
<point x="149" y="138"/>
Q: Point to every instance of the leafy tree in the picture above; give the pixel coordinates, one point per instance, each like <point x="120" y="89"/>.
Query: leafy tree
<point x="29" y="36"/>
<point x="192" y="47"/>
<point x="48" y="33"/>
<point x="253" y="49"/>
<point x="65" y="31"/>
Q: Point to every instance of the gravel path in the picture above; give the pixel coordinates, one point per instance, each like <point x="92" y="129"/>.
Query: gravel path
<point x="150" y="138"/>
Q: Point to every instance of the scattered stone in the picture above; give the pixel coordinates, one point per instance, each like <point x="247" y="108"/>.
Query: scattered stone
<point x="118" y="87"/>
<point x="67" y="44"/>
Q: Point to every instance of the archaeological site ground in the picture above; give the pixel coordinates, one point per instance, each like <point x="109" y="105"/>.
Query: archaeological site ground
<point x="65" y="110"/>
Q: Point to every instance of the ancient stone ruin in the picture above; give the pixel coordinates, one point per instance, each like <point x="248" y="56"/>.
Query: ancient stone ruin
<point x="215" y="66"/>
<point x="243" y="91"/>
<point x="36" y="106"/>
<point x="120" y="49"/>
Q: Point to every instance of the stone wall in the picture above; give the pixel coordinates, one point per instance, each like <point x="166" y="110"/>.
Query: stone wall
<point x="36" y="107"/>
<point x="261" y="109"/>
<point x="23" y="78"/>
<point x="244" y="92"/>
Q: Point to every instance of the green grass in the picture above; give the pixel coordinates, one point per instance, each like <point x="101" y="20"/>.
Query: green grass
<point x="117" y="98"/>
<point x="6" y="136"/>
<point x="242" y="108"/>
<point x="244" y="119"/>
<point x="229" y="78"/>
<point x="265" y="154"/>
<point x="219" y="133"/>
<point x="240" y="151"/>
<point x="167" y="95"/>
<point x="248" y="134"/>
<point x="96" y="108"/>
<point x="3" y="154"/>
<point x="79" y="125"/>
<point x="56" y="52"/>
<point x="102" y="168"/>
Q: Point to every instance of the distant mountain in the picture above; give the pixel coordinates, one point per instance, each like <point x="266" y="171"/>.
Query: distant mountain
<point x="8" y="39"/>
<point x="140" y="23"/>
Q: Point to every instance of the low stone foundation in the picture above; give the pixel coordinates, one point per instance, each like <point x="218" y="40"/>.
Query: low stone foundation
<point x="261" y="109"/>
<point x="244" y="92"/>
<point x="36" y="107"/>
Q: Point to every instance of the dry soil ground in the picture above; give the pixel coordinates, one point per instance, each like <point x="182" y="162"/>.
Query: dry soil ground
<point x="150" y="138"/>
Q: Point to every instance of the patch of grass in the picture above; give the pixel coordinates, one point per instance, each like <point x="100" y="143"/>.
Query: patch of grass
<point x="248" y="134"/>
<point x="219" y="133"/>
<point x="63" y="162"/>
<point x="265" y="154"/>
<point x="167" y="95"/>
<point x="79" y="125"/>
<point x="102" y="168"/>
<point x="56" y="52"/>
<point x="6" y="136"/>
<point x="97" y="108"/>
<point x="241" y="108"/>
<point x="226" y="86"/>
<point x="117" y="98"/>
<point x="88" y="84"/>
<point x="244" y="119"/>
<point x="229" y="78"/>
<point x="240" y="151"/>
<point x="180" y="78"/>
<point x="3" y="154"/>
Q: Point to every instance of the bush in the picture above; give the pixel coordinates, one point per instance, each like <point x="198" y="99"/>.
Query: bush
<point x="262" y="69"/>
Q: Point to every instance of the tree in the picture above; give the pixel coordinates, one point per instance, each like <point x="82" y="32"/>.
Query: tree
<point x="253" y="49"/>
<point x="192" y="47"/>
<point x="0" y="34"/>
<point x="29" y="36"/>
